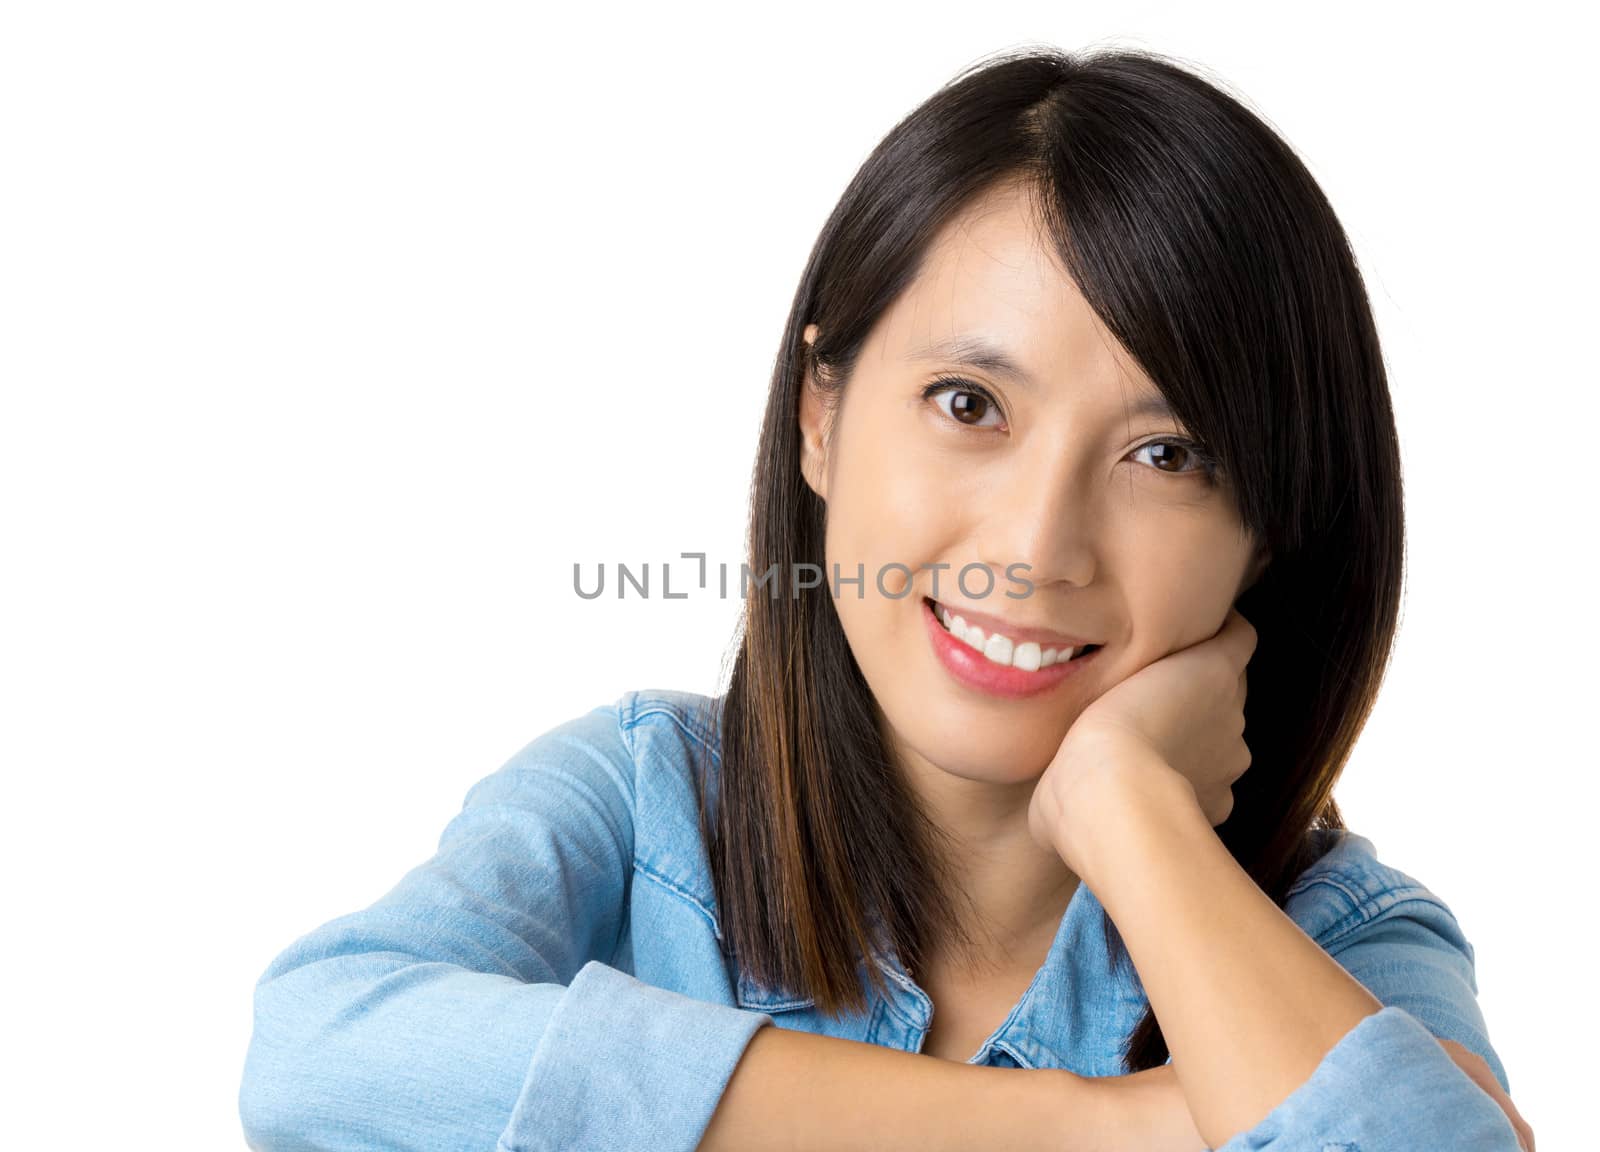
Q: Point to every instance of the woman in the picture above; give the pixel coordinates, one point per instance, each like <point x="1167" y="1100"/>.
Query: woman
<point x="1079" y="411"/>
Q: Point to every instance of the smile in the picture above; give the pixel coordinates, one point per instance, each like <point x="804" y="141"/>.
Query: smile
<point x="1002" y="649"/>
<point x="995" y="663"/>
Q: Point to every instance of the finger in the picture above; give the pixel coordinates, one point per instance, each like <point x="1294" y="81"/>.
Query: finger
<point x="1245" y="760"/>
<point x="1491" y="1087"/>
<point x="1478" y="1070"/>
<point x="1239" y="637"/>
<point x="1523" y="1128"/>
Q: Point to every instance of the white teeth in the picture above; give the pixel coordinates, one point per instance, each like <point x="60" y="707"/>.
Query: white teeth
<point x="1001" y="648"/>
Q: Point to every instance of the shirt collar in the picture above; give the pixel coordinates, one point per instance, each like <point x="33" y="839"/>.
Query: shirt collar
<point x="1074" y="1014"/>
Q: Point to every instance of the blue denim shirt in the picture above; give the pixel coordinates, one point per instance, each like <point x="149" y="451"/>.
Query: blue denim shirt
<point x="552" y="979"/>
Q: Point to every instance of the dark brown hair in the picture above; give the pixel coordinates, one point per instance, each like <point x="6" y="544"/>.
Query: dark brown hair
<point x="1205" y="246"/>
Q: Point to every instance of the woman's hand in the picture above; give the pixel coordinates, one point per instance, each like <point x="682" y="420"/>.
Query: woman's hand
<point x="1179" y="718"/>
<point x="1171" y="733"/>
<point x="1482" y="1075"/>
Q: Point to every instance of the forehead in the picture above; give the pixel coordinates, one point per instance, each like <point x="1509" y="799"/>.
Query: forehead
<point x="993" y="273"/>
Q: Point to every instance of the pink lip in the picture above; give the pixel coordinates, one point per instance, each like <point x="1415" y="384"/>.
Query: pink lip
<point x="971" y="668"/>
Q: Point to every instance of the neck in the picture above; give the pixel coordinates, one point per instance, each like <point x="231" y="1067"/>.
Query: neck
<point x="1010" y="893"/>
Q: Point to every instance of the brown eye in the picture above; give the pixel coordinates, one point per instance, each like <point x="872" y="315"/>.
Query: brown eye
<point x="967" y="404"/>
<point x="1179" y="458"/>
<point x="968" y="407"/>
<point x="1165" y="451"/>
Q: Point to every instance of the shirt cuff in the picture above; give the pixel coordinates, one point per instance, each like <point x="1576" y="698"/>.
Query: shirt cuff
<point x="623" y="1064"/>
<point x="1387" y="1086"/>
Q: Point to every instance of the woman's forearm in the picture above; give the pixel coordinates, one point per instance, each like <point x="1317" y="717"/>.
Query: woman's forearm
<point x="799" y="1092"/>
<point x="1248" y="1003"/>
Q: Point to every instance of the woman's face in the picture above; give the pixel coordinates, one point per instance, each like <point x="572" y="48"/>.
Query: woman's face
<point x="1124" y="542"/>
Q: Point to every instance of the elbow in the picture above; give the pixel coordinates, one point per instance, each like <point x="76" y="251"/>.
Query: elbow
<point x="273" y="1092"/>
<point x="278" y="1097"/>
<point x="297" y="1005"/>
<point x="266" y="1102"/>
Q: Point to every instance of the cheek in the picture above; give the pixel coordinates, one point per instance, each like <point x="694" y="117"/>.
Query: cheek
<point x="890" y="508"/>
<point x="885" y="521"/>
<point x="1179" y="585"/>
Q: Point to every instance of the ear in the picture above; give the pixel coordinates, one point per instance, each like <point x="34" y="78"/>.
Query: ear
<point x="813" y="429"/>
<point x="1258" y="565"/>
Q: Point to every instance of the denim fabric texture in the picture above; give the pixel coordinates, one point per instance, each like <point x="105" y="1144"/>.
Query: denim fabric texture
<point x="553" y="979"/>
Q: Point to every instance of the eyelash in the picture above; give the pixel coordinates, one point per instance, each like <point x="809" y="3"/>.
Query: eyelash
<point x="1206" y="465"/>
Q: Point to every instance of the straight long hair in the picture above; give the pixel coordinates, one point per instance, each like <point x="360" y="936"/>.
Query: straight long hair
<point x="1205" y="246"/>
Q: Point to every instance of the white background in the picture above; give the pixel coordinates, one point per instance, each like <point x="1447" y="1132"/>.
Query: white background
<point x="331" y="335"/>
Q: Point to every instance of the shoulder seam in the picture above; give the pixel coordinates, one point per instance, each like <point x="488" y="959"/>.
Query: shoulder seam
<point x="689" y="898"/>
<point x="637" y="713"/>
<point x="1364" y="908"/>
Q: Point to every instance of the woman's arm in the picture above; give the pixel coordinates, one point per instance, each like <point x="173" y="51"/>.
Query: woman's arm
<point x="798" y="1090"/>
<point x="472" y="1006"/>
<point x="1251" y="1007"/>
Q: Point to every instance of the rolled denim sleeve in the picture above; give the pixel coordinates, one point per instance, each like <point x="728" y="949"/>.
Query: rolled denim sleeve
<point x="625" y="1065"/>
<point x="1414" y="956"/>
<point x="1386" y="1086"/>
<point x="472" y="1006"/>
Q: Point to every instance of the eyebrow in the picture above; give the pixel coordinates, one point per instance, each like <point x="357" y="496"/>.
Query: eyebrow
<point x="977" y="352"/>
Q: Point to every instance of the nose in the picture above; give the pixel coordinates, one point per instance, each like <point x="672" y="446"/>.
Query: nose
<point x="1042" y="516"/>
